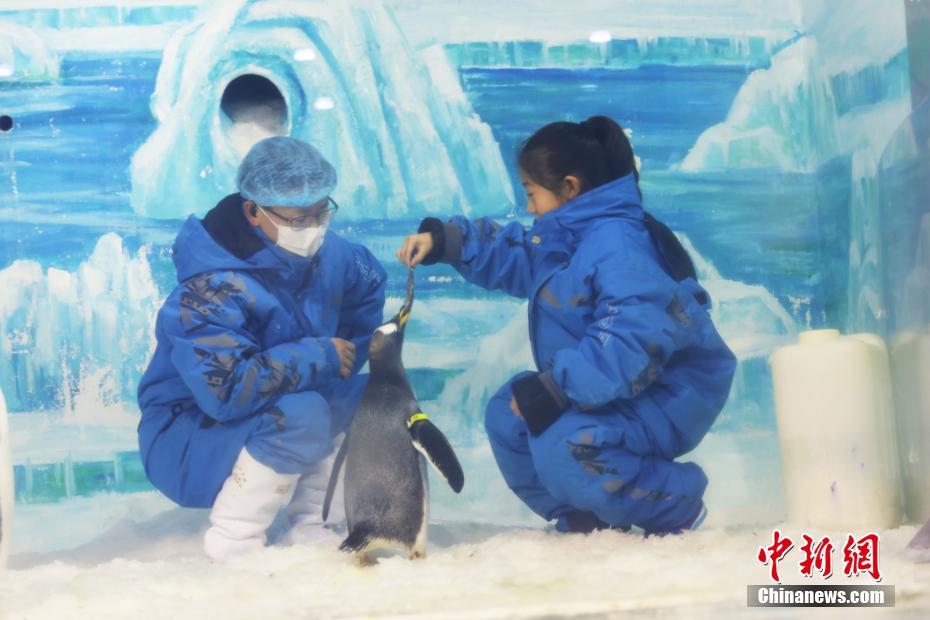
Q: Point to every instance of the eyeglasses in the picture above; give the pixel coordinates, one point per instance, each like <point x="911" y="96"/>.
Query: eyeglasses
<point x="318" y="217"/>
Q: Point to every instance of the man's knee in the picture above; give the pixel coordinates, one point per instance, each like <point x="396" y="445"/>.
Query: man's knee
<point x="301" y="412"/>
<point x="294" y="434"/>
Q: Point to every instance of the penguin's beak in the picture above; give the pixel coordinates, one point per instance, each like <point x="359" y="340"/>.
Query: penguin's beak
<point x="402" y="316"/>
<point x="400" y="320"/>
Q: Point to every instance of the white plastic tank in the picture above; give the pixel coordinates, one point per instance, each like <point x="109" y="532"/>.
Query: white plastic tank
<point x="836" y="431"/>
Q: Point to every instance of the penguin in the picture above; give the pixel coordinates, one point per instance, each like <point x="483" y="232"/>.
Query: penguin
<point x="386" y="485"/>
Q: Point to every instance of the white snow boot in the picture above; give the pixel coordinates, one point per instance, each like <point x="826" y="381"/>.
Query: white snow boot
<point x="246" y="507"/>
<point x="305" y="511"/>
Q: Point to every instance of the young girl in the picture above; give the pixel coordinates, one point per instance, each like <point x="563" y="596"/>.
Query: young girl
<point x="631" y="371"/>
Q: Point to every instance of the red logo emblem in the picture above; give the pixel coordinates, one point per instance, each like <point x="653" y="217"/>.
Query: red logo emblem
<point x="780" y="546"/>
<point x="861" y="556"/>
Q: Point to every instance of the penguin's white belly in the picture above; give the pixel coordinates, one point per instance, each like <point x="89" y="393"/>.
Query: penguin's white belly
<point x="419" y="547"/>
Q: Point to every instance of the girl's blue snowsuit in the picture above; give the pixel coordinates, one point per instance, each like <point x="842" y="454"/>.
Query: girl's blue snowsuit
<point x="629" y="355"/>
<point x="244" y="356"/>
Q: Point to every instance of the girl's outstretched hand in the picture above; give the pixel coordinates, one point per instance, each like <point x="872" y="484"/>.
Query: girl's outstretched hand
<point x="415" y="249"/>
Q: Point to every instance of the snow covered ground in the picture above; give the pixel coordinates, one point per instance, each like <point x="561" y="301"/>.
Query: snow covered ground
<point x="148" y="563"/>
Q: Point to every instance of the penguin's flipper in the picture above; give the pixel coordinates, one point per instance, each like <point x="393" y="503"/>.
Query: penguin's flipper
<point x="432" y="444"/>
<point x="334" y="476"/>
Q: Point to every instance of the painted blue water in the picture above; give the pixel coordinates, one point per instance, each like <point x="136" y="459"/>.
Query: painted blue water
<point x="73" y="141"/>
<point x="667" y="107"/>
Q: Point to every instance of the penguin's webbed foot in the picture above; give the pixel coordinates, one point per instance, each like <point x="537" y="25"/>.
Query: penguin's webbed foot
<point x="366" y="560"/>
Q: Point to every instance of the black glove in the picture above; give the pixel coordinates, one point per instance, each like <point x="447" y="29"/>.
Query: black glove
<point x="539" y="406"/>
<point x="437" y="229"/>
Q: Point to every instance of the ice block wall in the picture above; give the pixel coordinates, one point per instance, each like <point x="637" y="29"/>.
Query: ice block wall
<point x="899" y="202"/>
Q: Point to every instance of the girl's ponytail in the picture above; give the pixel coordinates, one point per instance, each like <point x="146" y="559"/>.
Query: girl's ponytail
<point x="618" y="151"/>
<point x="673" y="256"/>
<point x="595" y="151"/>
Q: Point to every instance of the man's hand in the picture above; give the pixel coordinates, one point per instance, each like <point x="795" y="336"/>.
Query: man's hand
<point x="346" y="351"/>
<point x="415" y="249"/>
<point x="514" y="407"/>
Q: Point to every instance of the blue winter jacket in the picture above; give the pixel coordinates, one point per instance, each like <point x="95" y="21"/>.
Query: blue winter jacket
<point x="609" y="328"/>
<point x="247" y="323"/>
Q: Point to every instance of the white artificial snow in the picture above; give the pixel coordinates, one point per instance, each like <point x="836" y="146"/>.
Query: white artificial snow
<point x="147" y="562"/>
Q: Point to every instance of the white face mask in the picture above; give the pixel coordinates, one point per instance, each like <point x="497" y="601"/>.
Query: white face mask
<point x="300" y="241"/>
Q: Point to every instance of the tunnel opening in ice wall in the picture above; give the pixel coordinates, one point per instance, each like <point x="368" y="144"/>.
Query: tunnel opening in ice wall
<point x="253" y="108"/>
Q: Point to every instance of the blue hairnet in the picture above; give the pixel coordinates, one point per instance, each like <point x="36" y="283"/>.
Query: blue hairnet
<point x="284" y="172"/>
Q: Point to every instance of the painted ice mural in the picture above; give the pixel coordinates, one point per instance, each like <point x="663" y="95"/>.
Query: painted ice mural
<point x="339" y="75"/>
<point x="780" y="127"/>
<point x="24" y="56"/>
<point x="839" y="90"/>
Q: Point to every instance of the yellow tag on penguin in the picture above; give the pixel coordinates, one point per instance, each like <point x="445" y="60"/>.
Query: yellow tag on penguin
<point x="419" y="415"/>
